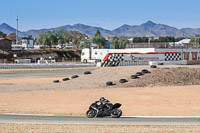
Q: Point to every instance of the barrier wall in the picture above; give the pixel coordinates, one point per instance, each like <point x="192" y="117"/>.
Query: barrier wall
<point x="39" y="66"/>
<point x="180" y="62"/>
<point x="193" y="62"/>
<point x="124" y="59"/>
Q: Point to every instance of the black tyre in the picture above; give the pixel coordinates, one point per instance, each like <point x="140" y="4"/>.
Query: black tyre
<point x="87" y="72"/>
<point x="84" y="61"/>
<point x="116" y="114"/>
<point x="139" y="74"/>
<point x="134" y="77"/>
<point x="91" y="113"/>
<point x="160" y="63"/>
<point x="145" y="71"/>
<point x="153" y="66"/>
<point x="109" y="83"/>
<point x="56" y="81"/>
<point x="123" y="81"/>
<point x="65" y="79"/>
<point x="74" y="76"/>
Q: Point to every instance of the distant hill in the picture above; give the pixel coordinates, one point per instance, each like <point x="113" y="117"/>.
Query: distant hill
<point x="7" y="28"/>
<point x="146" y="29"/>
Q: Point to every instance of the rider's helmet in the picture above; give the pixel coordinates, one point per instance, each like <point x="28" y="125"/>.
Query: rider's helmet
<point x="101" y="99"/>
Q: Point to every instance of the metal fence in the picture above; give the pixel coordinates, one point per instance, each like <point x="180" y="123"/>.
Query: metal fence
<point x="40" y="66"/>
<point x="133" y="63"/>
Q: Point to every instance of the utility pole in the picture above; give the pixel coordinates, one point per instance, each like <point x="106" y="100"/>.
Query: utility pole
<point x="17" y="32"/>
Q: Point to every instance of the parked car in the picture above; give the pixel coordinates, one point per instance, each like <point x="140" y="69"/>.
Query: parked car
<point x="35" y="60"/>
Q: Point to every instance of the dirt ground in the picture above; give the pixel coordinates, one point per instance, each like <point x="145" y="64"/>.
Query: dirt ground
<point x="166" y="91"/>
<point x="153" y="94"/>
<point x="44" y="128"/>
<point x="148" y="101"/>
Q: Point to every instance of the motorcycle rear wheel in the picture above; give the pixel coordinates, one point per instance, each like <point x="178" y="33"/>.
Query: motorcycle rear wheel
<point x="116" y="114"/>
<point x="91" y="113"/>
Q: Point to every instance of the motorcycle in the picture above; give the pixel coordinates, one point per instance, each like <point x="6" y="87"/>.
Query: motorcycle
<point x="98" y="110"/>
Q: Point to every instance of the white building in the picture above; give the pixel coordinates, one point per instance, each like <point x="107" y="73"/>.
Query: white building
<point x="28" y="43"/>
<point x="181" y="42"/>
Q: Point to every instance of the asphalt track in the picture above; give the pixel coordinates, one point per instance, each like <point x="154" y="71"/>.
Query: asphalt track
<point x="134" y="120"/>
<point x="37" y="74"/>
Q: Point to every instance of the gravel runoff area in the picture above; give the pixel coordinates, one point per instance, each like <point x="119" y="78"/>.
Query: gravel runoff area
<point x="43" y="128"/>
<point x="26" y="91"/>
<point x="161" y="76"/>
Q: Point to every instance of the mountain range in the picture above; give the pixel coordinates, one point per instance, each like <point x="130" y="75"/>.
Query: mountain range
<point x="146" y="29"/>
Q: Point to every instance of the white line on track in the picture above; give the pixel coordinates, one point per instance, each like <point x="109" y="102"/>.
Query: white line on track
<point x="163" y="116"/>
<point x="121" y="116"/>
<point x="29" y="114"/>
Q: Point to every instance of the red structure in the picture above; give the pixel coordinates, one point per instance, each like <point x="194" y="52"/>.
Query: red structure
<point x="5" y="44"/>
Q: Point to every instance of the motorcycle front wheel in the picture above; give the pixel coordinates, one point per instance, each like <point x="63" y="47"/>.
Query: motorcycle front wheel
<point x="116" y="114"/>
<point x="91" y="113"/>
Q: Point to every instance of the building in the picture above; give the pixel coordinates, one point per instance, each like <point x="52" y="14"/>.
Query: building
<point x="27" y="43"/>
<point x="147" y="45"/>
<point x="181" y="43"/>
<point x="5" y="44"/>
<point x="109" y="39"/>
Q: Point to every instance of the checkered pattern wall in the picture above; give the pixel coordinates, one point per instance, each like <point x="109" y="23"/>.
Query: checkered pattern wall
<point x="115" y="57"/>
<point x="168" y="57"/>
<point x="172" y="56"/>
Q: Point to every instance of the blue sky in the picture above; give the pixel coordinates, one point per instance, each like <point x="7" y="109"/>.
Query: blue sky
<point x="109" y="14"/>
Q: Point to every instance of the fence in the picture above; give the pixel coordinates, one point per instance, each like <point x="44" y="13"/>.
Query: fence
<point x="133" y="63"/>
<point x="40" y="66"/>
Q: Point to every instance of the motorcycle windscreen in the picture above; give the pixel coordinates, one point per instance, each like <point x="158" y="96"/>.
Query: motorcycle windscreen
<point x="116" y="105"/>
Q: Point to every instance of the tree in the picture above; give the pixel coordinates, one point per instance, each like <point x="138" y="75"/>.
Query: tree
<point x="116" y="42"/>
<point x="11" y="36"/>
<point x="122" y="42"/>
<point x="2" y="35"/>
<point x="45" y="38"/>
<point x="84" y="44"/>
<point x="60" y="36"/>
<point x="99" y="39"/>
<point x="40" y="37"/>
<point x="140" y="39"/>
<point x="77" y="37"/>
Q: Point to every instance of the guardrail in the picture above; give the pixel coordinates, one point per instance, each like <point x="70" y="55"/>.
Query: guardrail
<point x="133" y="63"/>
<point x="40" y="66"/>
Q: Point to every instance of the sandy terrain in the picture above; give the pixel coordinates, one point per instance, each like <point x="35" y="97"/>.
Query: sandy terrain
<point x="43" y="128"/>
<point x="73" y="97"/>
<point x="166" y="91"/>
<point x="153" y="101"/>
<point x="98" y="78"/>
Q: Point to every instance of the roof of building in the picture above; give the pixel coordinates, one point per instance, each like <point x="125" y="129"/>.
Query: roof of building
<point x="185" y="41"/>
<point x="5" y="39"/>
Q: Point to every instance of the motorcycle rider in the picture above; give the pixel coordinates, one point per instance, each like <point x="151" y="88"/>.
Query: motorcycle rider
<point x="105" y="103"/>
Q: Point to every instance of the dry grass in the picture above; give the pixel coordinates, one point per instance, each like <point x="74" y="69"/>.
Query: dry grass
<point x="179" y="76"/>
<point x="44" y="128"/>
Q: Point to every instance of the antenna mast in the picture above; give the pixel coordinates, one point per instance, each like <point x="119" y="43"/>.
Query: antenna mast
<point x="17" y="32"/>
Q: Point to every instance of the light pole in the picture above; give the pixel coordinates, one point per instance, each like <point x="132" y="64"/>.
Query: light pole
<point x="17" y="32"/>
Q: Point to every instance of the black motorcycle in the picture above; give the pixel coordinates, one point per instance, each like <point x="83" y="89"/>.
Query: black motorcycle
<point x="98" y="110"/>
